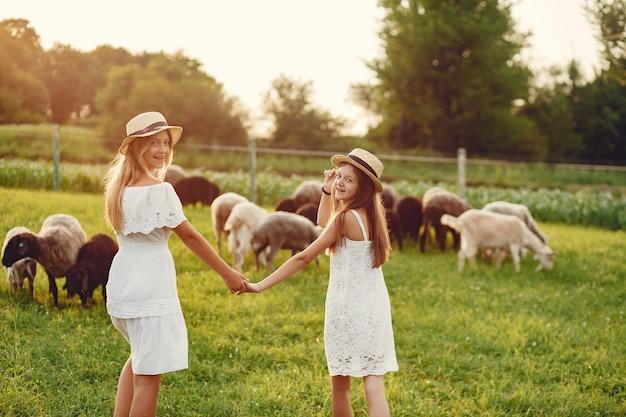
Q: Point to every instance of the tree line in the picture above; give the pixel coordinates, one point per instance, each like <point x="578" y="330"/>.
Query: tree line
<point x="451" y="75"/>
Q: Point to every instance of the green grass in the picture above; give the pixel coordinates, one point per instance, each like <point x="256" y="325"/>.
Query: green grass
<point x="484" y="342"/>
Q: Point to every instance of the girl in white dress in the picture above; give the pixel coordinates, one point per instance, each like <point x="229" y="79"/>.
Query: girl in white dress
<point x="142" y="297"/>
<point x="358" y="335"/>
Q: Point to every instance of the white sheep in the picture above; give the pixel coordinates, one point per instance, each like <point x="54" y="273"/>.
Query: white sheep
<point x="486" y="229"/>
<point x="55" y="247"/>
<point x="243" y="219"/>
<point x="519" y="210"/>
<point x="282" y="230"/>
<point x="220" y="210"/>
<point x="24" y="269"/>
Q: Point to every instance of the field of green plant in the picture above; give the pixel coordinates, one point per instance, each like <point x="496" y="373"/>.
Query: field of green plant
<point x="482" y="342"/>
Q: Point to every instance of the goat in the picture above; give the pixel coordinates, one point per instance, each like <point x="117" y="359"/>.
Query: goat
<point x="91" y="268"/>
<point x="55" y="247"/>
<point x="486" y="229"/>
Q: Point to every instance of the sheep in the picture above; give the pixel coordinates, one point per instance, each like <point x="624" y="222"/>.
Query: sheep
<point x="196" y="189"/>
<point x="486" y="229"/>
<point x="21" y="270"/>
<point x="394" y="227"/>
<point x="220" y="210"/>
<point x="519" y="210"/>
<point x="91" y="268"/>
<point x="309" y="210"/>
<point x="307" y="192"/>
<point x="286" y="204"/>
<point x="409" y="210"/>
<point x="243" y="219"/>
<point x="436" y="202"/>
<point x="389" y="197"/>
<point x="282" y="230"/>
<point x="55" y="247"/>
<point x="174" y="174"/>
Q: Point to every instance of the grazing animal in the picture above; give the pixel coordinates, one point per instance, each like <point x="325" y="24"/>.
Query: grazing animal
<point x="286" y="204"/>
<point x="519" y="210"/>
<point x="394" y="227"/>
<point x="389" y="197"/>
<point x="196" y="189"/>
<point x="91" y="268"/>
<point x="174" y="174"/>
<point x="220" y="210"/>
<point x="308" y="210"/>
<point x="282" y="230"/>
<point x="243" y="219"/>
<point x="307" y="192"/>
<point x="435" y="203"/>
<point x="55" y="247"/>
<point x="24" y="269"/>
<point x="409" y="210"/>
<point x="486" y="229"/>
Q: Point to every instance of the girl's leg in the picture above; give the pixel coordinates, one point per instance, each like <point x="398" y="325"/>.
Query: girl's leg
<point x="340" y="389"/>
<point x="124" y="396"/>
<point x="146" y="391"/>
<point x="375" y="395"/>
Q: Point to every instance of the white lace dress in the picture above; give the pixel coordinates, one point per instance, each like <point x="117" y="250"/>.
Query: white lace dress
<point x="358" y="335"/>
<point x="142" y="298"/>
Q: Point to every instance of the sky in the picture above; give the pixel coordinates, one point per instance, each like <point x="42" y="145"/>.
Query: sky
<point x="246" y="44"/>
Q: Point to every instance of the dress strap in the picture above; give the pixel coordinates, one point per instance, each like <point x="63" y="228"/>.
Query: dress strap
<point x="358" y="219"/>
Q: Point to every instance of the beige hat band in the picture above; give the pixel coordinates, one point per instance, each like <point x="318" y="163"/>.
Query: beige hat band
<point x="147" y="129"/>
<point x="363" y="164"/>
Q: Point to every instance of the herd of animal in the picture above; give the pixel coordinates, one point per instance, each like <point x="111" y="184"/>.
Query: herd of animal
<point x="497" y="230"/>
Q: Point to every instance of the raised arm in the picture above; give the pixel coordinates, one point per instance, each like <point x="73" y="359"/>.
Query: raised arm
<point x="324" y="210"/>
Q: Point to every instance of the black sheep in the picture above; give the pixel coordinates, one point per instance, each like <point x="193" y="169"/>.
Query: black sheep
<point x="409" y="210"/>
<point x="196" y="189"/>
<point x="92" y="268"/>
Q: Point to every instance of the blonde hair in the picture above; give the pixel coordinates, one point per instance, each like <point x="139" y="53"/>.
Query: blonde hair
<point x="124" y="171"/>
<point x="377" y="221"/>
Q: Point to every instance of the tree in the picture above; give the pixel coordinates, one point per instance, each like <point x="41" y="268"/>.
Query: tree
<point x="175" y="86"/>
<point x="23" y="96"/>
<point x="610" y="16"/>
<point x="451" y="77"/>
<point x="297" y="123"/>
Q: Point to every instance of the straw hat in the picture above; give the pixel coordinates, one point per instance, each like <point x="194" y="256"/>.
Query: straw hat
<point x="147" y="124"/>
<point x="365" y="161"/>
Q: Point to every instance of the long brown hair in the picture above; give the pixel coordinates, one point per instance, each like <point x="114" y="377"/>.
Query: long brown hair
<point x="377" y="222"/>
<point x="125" y="170"/>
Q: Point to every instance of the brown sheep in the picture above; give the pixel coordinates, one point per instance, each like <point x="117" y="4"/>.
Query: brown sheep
<point x="308" y="210"/>
<point x="409" y="210"/>
<point x="389" y="197"/>
<point x="307" y="192"/>
<point x="435" y="204"/>
<point x="196" y="189"/>
<point x="174" y="174"/>
<point x="394" y="227"/>
<point x="286" y="204"/>
<point x="92" y="268"/>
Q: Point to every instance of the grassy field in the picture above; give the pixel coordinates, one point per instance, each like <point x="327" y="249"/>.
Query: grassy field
<point x="484" y="342"/>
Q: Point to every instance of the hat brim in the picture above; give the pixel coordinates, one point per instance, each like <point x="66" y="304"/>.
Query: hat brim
<point x="337" y="160"/>
<point x="176" y="132"/>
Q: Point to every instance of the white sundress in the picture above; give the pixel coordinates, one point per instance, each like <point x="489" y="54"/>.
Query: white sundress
<point x="142" y="298"/>
<point x="358" y="333"/>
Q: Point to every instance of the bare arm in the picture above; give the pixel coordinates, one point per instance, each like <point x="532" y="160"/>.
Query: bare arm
<point x="294" y="264"/>
<point x="324" y="209"/>
<point x="205" y="252"/>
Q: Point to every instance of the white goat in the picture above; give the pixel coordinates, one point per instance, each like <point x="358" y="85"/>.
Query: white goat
<point x="55" y="247"/>
<point x="24" y="269"/>
<point x="243" y="219"/>
<point x="220" y="210"/>
<point x="282" y="230"/>
<point x="486" y="229"/>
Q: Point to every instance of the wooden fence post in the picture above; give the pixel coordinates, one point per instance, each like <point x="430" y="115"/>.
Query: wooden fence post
<point x="461" y="164"/>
